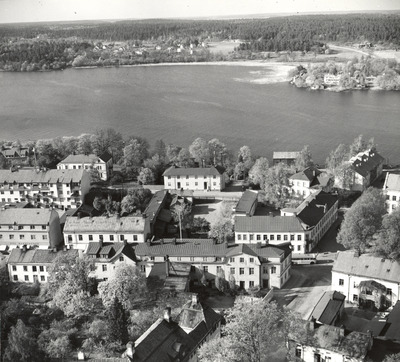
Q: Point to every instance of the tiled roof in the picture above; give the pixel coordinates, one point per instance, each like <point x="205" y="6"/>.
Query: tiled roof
<point x="268" y="224"/>
<point x="246" y="201"/>
<point x="25" y="216"/>
<point x="368" y="266"/>
<point x="206" y="247"/>
<point x="285" y="155"/>
<point x="155" y="204"/>
<point x="113" y="250"/>
<point x="328" y="307"/>
<point x="81" y="158"/>
<point x="98" y="224"/>
<point x="392" y="182"/>
<point x="193" y="171"/>
<point x="49" y="176"/>
<point x="314" y="207"/>
<point x="35" y="256"/>
<point x="309" y="174"/>
<point x="366" y="161"/>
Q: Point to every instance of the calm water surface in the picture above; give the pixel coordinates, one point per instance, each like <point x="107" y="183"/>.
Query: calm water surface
<point x="180" y="103"/>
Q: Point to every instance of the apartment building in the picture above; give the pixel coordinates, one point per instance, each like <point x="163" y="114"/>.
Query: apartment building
<point x="392" y="190"/>
<point x="32" y="227"/>
<point x="194" y="178"/>
<point x="251" y="265"/>
<point x="44" y="188"/>
<point x="302" y="227"/>
<point x="80" y="231"/>
<point x="103" y="164"/>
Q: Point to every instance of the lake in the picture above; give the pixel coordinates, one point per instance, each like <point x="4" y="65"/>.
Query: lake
<point x="240" y="105"/>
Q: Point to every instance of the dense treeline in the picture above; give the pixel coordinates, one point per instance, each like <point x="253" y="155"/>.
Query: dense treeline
<point x="283" y="31"/>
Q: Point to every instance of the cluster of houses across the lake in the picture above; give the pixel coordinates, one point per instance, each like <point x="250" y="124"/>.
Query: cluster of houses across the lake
<point x="42" y="214"/>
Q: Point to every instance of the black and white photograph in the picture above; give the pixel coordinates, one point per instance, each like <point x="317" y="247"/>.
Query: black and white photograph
<point x="200" y="180"/>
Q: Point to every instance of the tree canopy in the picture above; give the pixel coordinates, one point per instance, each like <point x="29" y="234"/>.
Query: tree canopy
<point x="387" y="239"/>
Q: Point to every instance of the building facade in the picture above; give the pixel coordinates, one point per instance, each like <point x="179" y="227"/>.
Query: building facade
<point x="80" y="231"/>
<point x="257" y="265"/>
<point x="103" y="164"/>
<point x="308" y="181"/>
<point x="286" y="158"/>
<point x="303" y="227"/>
<point x="392" y="191"/>
<point x="45" y="188"/>
<point x="366" y="279"/>
<point x="199" y="178"/>
<point x="31" y="227"/>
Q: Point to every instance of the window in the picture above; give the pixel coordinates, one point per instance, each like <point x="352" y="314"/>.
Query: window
<point x="258" y="237"/>
<point x="251" y="284"/>
<point x="205" y="269"/>
<point x="111" y="237"/>
<point x="121" y="237"/>
<point x="14" y="268"/>
<point x="239" y="236"/>
<point x="25" y="268"/>
<point x="341" y="281"/>
<point x="232" y="270"/>
<point x="251" y="237"/>
<point x="251" y="260"/>
<point x="15" y="278"/>
<point x="44" y="237"/>
<point x="134" y="237"/>
<point x="152" y="258"/>
<point x="292" y="237"/>
<point x="196" y="183"/>
<point x="285" y="237"/>
<point x="43" y="227"/>
<point x="22" y="237"/>
<point x="251" y="271"/>
<point x="26" y="277"/>
<point x="80" y="237"/>
<point x="244" y="237"/>
<point x="219" y="268"/>
<point x="241" y="260"/>
<point x="265" y="237"/>
<point x="317" y="357"/>
<point x="273" y="270"/>
<point x="299" y="237"/>
<point x="104" y="267"/>
<point x="272" y="237"/>
<point x="179" y="258"/>
<point x="388" y="291"/>
<point x="217" y="258"/>
<point x="278" y="237"/>
<point x="265" y="270"/>
<point x="241" y="271"/>
<point x="205" y="258"/>
<point x="41" y="268"/>
<point x="121" y="258"/>
<point x="355" y="298"/>
<point x="298" y="351"/>
<point x="298" y="247"/>
<point x="393" y="198"/>
<point x="11" y="236"/>
<point x="231" y="260"/>
<point x="191" y="258"/>
<point x="34" y="268"/>
<point x="143" y="268"/>
<point x="90" y="237"/>
<point x="33" y="237"/>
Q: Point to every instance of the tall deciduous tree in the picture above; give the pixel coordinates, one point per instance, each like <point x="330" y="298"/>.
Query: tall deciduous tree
<point x="218" y="151"/>
<point x="387" y="240"/>
<point x="108" y="140"/>
<point x="336" y="158"/>
<point x="136" y="200"/>
<point x="199" y="151"/>
<point x="276" y="185"/>
<point x="362" y="220"/>
<point x="172" y="152"/>
<point x="117" y="322"/>
<point x="360" y="144"/>
<point x="245" y="162"/>
<point x="304" y="159"/>
<point x="221" y="230"/>
<point x="85" y="145"/>
<point x="257" y="173"/>
<point x="135" y="152"/>
<point x="146" y="176"/>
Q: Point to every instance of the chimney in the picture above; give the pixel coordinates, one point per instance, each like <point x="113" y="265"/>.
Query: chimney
<point x="195" y="299"/>
<point x="100" y="243"/>
<point x="161" y="241"/>
<point x="125" y="242"/>
<point x="167" y="314"/>
<point x="130" y="350"/>
<point x="311" y="324"/>
<point x="174" y="241"/>
<point x="167" y="266"/>
<point x="24" y="248"/>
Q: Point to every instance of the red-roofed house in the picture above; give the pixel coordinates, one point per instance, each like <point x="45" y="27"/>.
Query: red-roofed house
<point x="194" y="178"/>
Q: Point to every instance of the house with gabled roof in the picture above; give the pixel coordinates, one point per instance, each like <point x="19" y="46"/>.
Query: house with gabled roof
<point x="303" y="226"/>
<point x="391" y="188"/>
<point x="329" y="309"/>
<point x="30" y="265"/>
<point x="364" y="168"/>
<point x="310" y="180"/>
<point x="176" y="340"/>
<point x="251" y="265"/>
<point x="103" y="163"/>
<point x="15" y="152"/>
<point x="195" y="178"/>
<point x="286" y="158"/>
<point x="366" y="279"/>
<point x="32" y="227"/>
<point x="44" y="188"/>
<point x="107" y="256"/>
<point x="247" y="203"/>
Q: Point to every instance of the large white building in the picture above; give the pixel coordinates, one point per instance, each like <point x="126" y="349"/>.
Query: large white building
<point x="308" y="181"/>
<point x="392" y="190"/>
<point x="103" y="164"/>
<point x="366" y="279"/>
<point x="303" y="226"/>
<point x="44" y="188"/>
<point x="80" y="231"/>
<point x="32" y="227"/>
<point x="194" y="178"/>
<point x="31" y="265"/>
<point x="257" y="265"/>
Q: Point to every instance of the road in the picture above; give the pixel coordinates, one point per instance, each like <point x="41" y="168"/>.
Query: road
<point x="350" y="49"/>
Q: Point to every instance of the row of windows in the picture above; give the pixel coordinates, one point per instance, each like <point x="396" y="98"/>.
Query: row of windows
<point x="187" y="177"/>
<point x="242" y="270"/>
<point x="22" y="237"/>
<point x="22" y="227"/>
<point x="196" y="184"/>
<point x="26" y="278"/>
<point x="267" y="237"/>
<point x="101" y="237"/>
<point x="394" y="197"/>
<point x="34" y="268"/>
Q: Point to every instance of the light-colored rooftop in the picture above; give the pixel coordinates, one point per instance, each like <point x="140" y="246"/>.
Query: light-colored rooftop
<point x="25" y="216"/>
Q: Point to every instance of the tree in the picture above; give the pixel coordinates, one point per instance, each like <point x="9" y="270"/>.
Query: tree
<point x="253" y="331"/>
<point x="160" y="148"/>
<point x="172" y="152"/>
<point x="98" y="203"/>
<point x="220" y="282"/>
<point x="217" y="151"/>
<point x="276" y="185"/>
<point x="360" y="145"/>
<point x="22" y="345"/>
<point x="362" y="220"/>
<point x="157" y="166"/>
<point x="59" y="348"/>
<point x="126" y="283"/>
<point x="199" y="151"/>
<point x="392" y="358"/>
<point x="108" y="140"/>
<point x="146" y="176"/>
<point x="136" y="200"/>
<point x="117" y="322"/>
<point x="85" y="146"/>
<point x="135" y="152"/>
<point x="245" y="161"/>
<point x="49" y="157"/>
<point x="258" y="171"/>
<point x="200" y="225"/>
<point x="184" y="158"/>
<point x="4" y="164"/>
<point x="232" y="282"/>
<point x="304" y="159"/>
<point x="387" y="239"/>
<point x="221" y="230"/>
<point x="182" y="213"/>
<point x="336" y="158"/>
